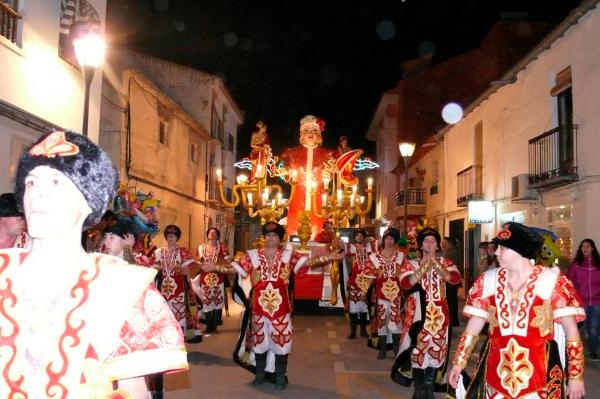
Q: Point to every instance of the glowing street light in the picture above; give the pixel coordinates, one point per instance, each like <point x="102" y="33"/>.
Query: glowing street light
<point x="406" y="150"/>
<point x="89" y="50"/>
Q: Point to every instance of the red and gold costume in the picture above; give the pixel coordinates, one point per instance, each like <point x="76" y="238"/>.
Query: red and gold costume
<point x="175" y="288"/>
<point x="520" y="329"/>
<point x="271" y="322"/>
<point x="109" y="325"/>
<point x="431" y="347"/>
<point x="308" y="162"/>
<point x="361" y="277"/>
<point x="389" y="293"/>
<point x="212" y="284"/>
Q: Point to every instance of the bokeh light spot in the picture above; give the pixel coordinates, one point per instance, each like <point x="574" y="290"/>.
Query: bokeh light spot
<point x="231" y="39"/>
<point x="161" y="5"/>
<point x="452" y="113"/>
<point x="386" y="30"/>
<point x="179" y="26"/>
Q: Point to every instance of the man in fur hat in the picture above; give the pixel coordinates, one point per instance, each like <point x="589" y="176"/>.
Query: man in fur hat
<point x="523" y="303"/>
<point x="270" y="269"/>
<point x="432" y="273"/>
<point x="307" y="161"/>
<point x="77" y="322"/>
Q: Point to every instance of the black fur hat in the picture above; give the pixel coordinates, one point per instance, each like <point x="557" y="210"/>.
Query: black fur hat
<point x="8" y="206"/>
<point x="78" y="158"/>
<point x="520" y="239"/>
<point x="359" y="230"/>
<point x="428" y="231"/>
<point x="392" y="232"/>
<point x="272" y="227"/>
<point x="172" y="229"/>
<point x="121" y="228"/>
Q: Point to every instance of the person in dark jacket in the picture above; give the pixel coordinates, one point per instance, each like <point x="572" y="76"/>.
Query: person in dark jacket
<point x="585" y="275"/>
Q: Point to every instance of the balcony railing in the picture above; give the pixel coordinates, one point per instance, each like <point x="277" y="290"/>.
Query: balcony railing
<point x="415" y="200"/>
<point x="416" y="196"/>
<point x="469" y="185"/>
<point x="9" y="19"/>
<point x="553" y="157"/>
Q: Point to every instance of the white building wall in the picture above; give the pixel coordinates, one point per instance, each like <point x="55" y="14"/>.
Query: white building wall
<point x="518" y="112"/>
<point x="36" y="80"/>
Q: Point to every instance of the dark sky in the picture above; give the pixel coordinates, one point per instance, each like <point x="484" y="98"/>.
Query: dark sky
<point x="282" y="59"/>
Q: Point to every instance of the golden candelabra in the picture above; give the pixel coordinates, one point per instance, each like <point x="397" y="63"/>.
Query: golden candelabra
<point x="257" y="197"/>
<point x="340" y="205"/>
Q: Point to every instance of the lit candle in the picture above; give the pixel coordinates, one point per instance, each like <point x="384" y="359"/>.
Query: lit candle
<point x="354" y="188"/>
<point x="325" y="181"/>
<point x="340" y="195"/>
<point x="219" y="175"/>
<point x="265" y="196"/>
<point x="294" y="174"/>
<point x="352" y="199"/>
<point x="362" y="199"/>
<point x="249" y="199"/>
<point x="369" y="183"/>
<point x="242" y="179"/>
<point x="323" y="199"/>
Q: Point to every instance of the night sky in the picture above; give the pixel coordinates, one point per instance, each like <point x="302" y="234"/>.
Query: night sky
<point x="282" y="59"/>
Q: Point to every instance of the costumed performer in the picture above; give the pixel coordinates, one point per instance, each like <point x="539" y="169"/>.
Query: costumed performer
<point x="210" y="285"/>
<point x="270" y="269"/>
<point x="529" y="308"/>
<point x="361" y="277"/>
<point x="74" y="323"/>
<point x="175" y="263"/>
<point x="387" y="314"/>
<point x="430" y="352"/>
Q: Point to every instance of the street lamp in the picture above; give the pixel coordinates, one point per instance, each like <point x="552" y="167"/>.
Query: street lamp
<point x="406" y="150"/>
<point x="89" y="50"/>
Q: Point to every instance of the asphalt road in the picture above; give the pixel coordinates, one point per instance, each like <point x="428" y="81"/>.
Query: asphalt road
<point x="323" y="364"/>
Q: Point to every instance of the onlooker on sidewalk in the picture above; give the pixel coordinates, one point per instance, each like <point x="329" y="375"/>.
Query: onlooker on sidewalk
<point x="450" y="251"/>
<point x="585" y="274"/>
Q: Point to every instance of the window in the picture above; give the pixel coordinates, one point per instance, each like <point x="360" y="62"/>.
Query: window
<point x="216" y="131"/>
<point x="194" y="153"/>
<point x="163" y="130"/>
<point x="229" y="142"/>
<point x="9" y="19"/>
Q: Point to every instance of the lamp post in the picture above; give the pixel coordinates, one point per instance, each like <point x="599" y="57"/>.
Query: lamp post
<point x="406" y="150"/>
<point x="89" y="50"/>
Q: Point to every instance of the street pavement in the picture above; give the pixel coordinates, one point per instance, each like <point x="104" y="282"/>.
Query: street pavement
<point x="323" y="364"/>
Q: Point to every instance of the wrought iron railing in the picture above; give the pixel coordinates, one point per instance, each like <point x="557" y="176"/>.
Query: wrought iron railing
<point x="9" y="20"/>
<point x="553" y="157"/>
<point x="416" y="196"/>
<point x="469" y="185"/>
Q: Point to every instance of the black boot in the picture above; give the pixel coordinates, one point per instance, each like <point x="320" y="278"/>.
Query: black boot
<point x="364" y="321"/>
<point x="382" y="345"/>
<point x="418" y="376"/>
<point x="395" y="343"/>
<point x="280" y="371"/>
<point x="208" y="317"/>
<point x="428" y="383"/>
<point x="353" y="323"/>
<point x="261" y="364"/>
<point x="155" y="386"/>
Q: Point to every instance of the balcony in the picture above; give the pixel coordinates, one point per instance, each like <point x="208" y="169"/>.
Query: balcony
<point x="415" y="200"/>
<point x="9" y="20"/>
<point x="469" y="185"/>
<point x="553" y="157"/>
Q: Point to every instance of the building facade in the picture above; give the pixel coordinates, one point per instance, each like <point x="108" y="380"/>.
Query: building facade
<point x="169" y="128"/>
<point x="528" y="145"/>
<point x="41" y="85"/>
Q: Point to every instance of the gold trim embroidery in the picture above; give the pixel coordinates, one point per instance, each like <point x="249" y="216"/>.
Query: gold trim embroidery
<point x="270" y="299"/>
<point x="514" y="368"/>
